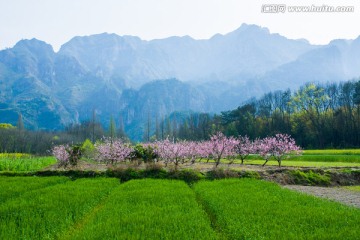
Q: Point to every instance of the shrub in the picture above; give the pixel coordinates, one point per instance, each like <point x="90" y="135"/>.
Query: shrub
<point x="67" y="155"/>
<point x="88" y="149"/>
<point x="310" y="178"/>
<point x="145" y="152"/>
<point x="187" y="175"/>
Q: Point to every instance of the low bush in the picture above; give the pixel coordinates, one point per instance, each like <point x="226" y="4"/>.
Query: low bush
<point x="310" y="178"/>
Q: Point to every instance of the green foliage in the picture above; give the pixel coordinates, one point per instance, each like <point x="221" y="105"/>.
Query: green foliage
<point x="316" y="116"/>
<point x="356" y="94"/>
<point x="310" y="178"/>
<point x="87" y="149"/>
<point x="25" y="164"/>
<point x="74" y="156"/>
<point x="145" y="153"/>
<point x="6" y="126"/>
<point x="253" y="209"/>
<point x="220" y="173"/>
<point x="188" y="175"/>
<point x="47" y="213"/>
<point x="149" y="209"/>
<point x="154" y="171"/>
<point x="112" y="128"/>
<point x="230" y="173"/>
<point x="125" y="174"/>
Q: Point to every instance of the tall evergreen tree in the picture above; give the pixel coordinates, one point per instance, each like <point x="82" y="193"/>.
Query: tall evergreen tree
<point x="112" y="128"/>
<point x="20" y="123"/>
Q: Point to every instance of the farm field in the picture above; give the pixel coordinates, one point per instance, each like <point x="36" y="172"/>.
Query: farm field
<point x="47" y="212"/>
<point x="332" y="152"/>
<point x="60" y="208"/>
<point x="310" y="158"/>
<point x="291" y="163"/>
<point x="24" y="162"/>
<point x="149" y="209"/>
<point x="253" y="209"/>
<point x="12" y="187"/>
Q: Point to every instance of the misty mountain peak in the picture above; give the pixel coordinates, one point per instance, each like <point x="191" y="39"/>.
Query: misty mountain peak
<point x="118" y="74"/>
<point x="33" y="45"/>
<point x="251" y="29"/>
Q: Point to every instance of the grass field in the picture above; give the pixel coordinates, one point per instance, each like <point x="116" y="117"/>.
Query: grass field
<point x="25" y="163"/>
<point x="253" y="209"/>
<point x="101" y="208"/>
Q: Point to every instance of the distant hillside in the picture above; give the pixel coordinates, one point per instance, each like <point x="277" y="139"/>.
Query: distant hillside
<point x="129" y="77"/>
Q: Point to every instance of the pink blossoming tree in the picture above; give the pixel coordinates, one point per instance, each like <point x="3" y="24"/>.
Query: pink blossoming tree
<point x="113" y="151"/>
<point x="279" y="147"/>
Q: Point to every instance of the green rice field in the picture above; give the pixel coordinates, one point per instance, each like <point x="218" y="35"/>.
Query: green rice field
<point x="102" y="208"/>
<point x="253" y="209"/>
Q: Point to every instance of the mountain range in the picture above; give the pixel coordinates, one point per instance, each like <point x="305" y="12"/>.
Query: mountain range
<point x="133" y="79"/>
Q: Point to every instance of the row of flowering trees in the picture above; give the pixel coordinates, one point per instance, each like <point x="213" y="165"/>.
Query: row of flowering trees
<point x="219" y="147"/>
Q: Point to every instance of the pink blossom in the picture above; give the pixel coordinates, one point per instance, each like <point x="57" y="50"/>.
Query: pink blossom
<point x="221" y="146"/>
<point x="61" y="153"/>
<point x="244" y="148"/>
<point x="113" y="151"/>
<point x="278" y="147"/>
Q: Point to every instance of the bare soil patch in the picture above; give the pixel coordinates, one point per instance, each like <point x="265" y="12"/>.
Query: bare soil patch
<point x="347" y="197"/>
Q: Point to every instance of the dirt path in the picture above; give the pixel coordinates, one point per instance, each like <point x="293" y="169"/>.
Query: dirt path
<point x="344" y="196"/>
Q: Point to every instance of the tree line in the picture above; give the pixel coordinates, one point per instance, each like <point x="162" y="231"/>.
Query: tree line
<point x="18" y="139"/>
<point x="317" y="115"/>
<point x="112" y="151"/>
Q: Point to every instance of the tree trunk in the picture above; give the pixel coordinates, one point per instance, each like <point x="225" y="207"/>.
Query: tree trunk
<point x="217" y="162"/>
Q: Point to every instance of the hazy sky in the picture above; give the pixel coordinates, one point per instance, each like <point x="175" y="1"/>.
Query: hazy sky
<point x="57" y="21"/>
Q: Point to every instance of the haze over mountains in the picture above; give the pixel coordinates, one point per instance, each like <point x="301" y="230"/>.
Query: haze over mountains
<point x="132" y="78"/>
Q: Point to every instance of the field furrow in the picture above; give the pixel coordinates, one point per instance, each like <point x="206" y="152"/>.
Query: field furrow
<point x="47" y="213"/>
<point x="12" y="187"/>
<point x="150" y="209"/>
<point x="254" y="209"/>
